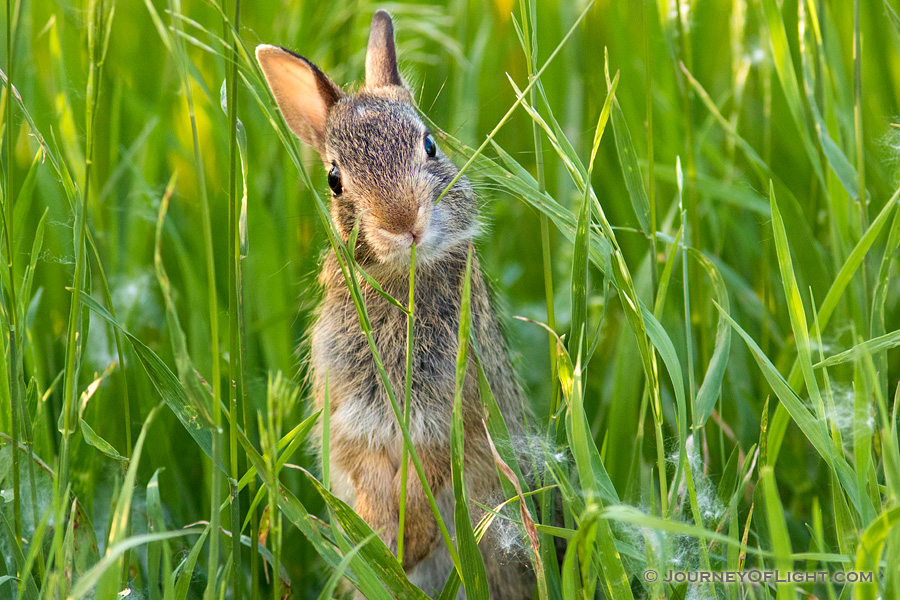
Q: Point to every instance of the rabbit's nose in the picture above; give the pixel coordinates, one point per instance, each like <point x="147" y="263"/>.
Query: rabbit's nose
<point x="399" y="216"/>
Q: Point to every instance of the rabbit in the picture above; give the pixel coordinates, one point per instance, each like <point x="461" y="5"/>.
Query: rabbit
<point x="386" y="169"/>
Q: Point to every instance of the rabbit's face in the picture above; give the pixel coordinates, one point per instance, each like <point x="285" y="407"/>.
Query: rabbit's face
<point x="386" y="169"/>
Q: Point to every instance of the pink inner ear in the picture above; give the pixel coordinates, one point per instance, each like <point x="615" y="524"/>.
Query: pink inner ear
<point x="297" y="93"/>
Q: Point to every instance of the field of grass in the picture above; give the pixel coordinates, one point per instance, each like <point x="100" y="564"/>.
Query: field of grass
<point x="700" y="197"/>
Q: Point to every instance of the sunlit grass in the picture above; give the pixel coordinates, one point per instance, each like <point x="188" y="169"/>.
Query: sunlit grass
<point x="694" y="203"/>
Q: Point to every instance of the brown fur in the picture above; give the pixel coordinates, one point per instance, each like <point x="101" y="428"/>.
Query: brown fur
<point x="375" y="139"/>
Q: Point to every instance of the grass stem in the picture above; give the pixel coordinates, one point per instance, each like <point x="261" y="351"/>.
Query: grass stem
<point x="407" y="398"/>
<point x="529" y="36"/>
<point x="12" y="313"/>
<point x="236" y="378"/>
<point x="518" y="101"/>
<point x="213" y="306"/>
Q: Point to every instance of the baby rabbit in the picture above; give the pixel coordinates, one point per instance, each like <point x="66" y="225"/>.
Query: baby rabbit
<point x="385" y="169"/>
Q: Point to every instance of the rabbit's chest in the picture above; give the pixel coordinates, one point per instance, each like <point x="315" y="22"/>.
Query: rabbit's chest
<point x="360" y="404"/>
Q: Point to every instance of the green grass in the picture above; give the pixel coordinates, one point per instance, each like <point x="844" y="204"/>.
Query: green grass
<point x="694" y="203"/>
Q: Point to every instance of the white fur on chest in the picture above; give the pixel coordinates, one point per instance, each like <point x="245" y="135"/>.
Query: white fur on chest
<point x="374" y="426"/>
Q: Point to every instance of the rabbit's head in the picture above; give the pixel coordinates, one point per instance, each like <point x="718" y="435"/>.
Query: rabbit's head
<point x="384" y="167"/>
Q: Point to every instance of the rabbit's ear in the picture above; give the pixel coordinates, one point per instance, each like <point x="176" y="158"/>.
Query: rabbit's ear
<point x="303" y="92"/>
<point x="381" y="56"/>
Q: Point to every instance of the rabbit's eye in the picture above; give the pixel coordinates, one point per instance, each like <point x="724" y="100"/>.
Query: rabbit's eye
<point x="334" y="180"/>
<point x="430" y="146"/>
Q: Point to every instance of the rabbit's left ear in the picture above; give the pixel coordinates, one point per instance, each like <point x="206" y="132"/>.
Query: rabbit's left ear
<point x="304" y="93"/>
<point x="381" y="55"/>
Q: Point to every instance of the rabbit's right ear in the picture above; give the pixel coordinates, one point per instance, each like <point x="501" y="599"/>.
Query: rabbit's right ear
<point x="303" y="92"/>
<point x="381" y="53"/>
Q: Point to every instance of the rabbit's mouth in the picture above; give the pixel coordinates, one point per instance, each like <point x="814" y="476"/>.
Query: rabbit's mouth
<point x="392" y="247"/>
<point x="403" y="241"/>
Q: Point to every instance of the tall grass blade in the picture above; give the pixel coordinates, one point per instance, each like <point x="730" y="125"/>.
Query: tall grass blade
<point x="31" y="589"/>
<point x="311" y="528"/>
<point x="879" y="344"/>
<point x="474" y="576"/>
<point x="518" y="101"/>
<point x="238" y="247"/>
<point x="778" y="533"/>
<point x="631" y="171"/>
<point x="89" y="579"/>
<point x="529" y="46"/>
<point x="808" y="423"/>
<point x="858" y="123"/>
<point x="332" y="583"/>
<point x="165" y="383"/>
<point x="108" y="582"/>
<point x="92" y="439"/>
<point x="784" y="66"/>
<point x="630" y="514"/>
<point x="185" y="571"/>
<point x="871" y="547"/>
<point x="577" y="335"/>
<point x="711" y="387"/>
<point x="880" y="294"/>
<point x="845" y="275"/>
<point x="794" y="301"/>
<point x="374" y="552"/>
<point x="158" y="552"/>
<point x="407" y="400"/>
<point x="613" y="575"/>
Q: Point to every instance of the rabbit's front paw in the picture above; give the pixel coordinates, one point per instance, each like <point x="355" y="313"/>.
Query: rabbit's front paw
<point x="371" y="477"/>
<point x="381" y="519"/>
<point x="419" y="539"/>
<point x="421" y="533"/>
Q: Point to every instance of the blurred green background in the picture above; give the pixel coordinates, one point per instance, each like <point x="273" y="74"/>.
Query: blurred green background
<point x="456" y="57"/>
